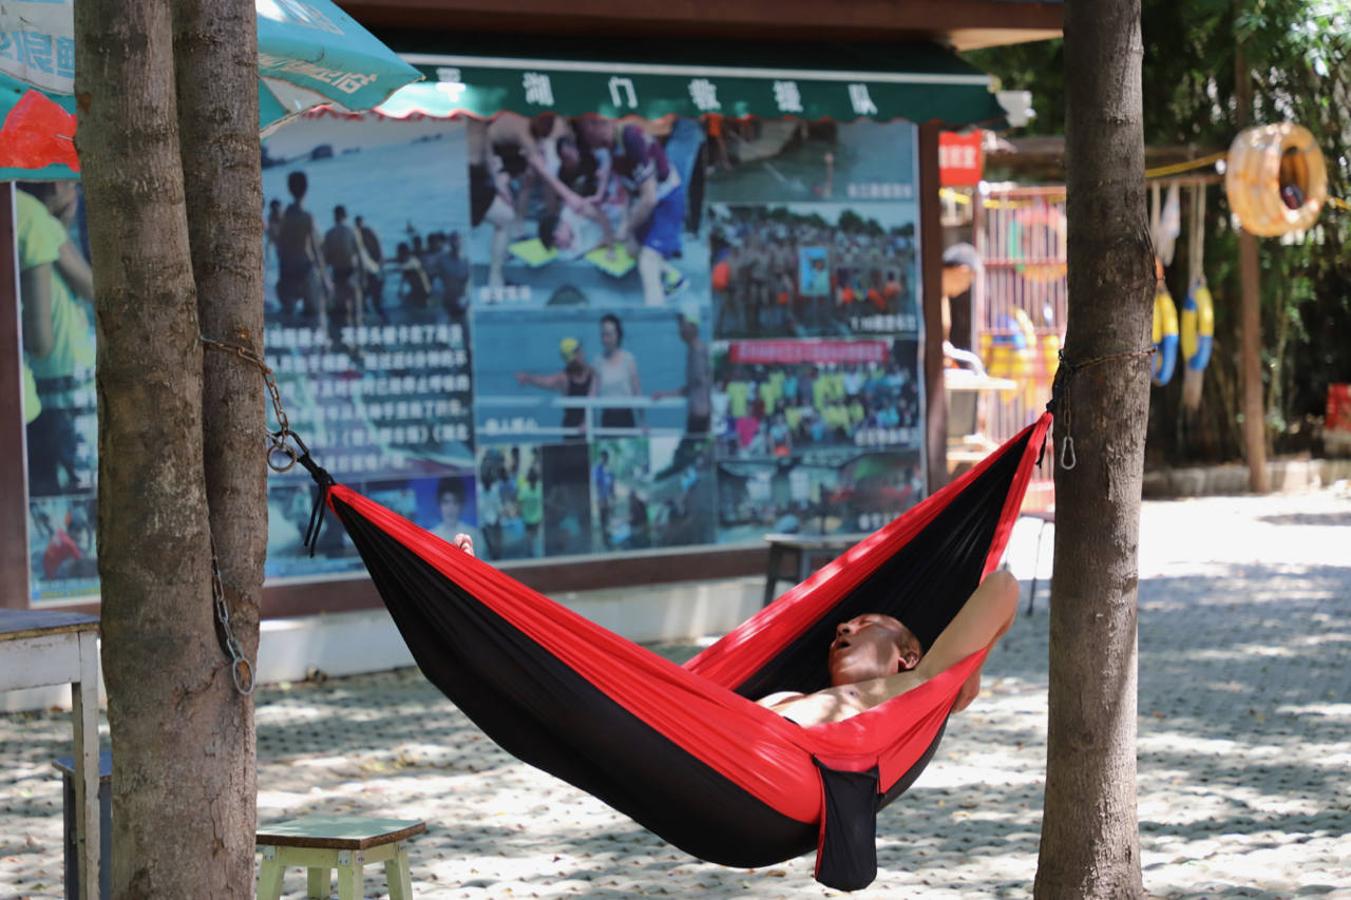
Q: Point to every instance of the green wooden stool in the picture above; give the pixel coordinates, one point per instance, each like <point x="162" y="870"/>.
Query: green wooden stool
<point x="346" y="843"/>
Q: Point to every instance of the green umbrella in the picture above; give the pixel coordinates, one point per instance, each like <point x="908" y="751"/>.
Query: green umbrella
<point x="310" y="53"/>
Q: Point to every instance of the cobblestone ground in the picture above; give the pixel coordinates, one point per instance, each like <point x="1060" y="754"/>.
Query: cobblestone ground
<point x="1244" y="750"/>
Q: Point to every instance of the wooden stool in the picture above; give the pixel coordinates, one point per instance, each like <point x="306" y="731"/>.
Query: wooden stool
<point x="346" y="843"/>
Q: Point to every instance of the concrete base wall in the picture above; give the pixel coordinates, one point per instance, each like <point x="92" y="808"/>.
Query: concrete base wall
<point x="1287" y="476"/>
<point x="367" y="641"/>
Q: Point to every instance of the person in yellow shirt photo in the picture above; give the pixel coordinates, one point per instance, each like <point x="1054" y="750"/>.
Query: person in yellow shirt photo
<point x="55" y="285"/>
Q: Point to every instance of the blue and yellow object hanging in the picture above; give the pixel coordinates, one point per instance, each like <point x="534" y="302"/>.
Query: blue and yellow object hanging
<point x="1198" y="326"/>
<point x="1165" y="336"/>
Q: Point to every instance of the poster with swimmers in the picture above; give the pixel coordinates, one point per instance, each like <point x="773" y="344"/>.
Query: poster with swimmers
<point x="651" y="492"/>
<point x="825" y="492"/>
<point x="587" y="211"/>
<point x="609" y="406"/>
<point x="779" y="399"/>
<point x="366" y="292"/>
<point x="814" y="270"/>
<point x="812" y="229"/>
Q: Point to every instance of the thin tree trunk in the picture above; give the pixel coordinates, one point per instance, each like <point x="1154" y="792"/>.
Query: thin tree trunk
<point x="1250" y="307"/>
<point x="160" y="659"/>
<point x="216" y="62"/>
<point x="1090" y="844"/>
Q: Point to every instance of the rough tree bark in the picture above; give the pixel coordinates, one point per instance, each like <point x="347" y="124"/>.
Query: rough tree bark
<point x="181" y="737"/>
<point x="1090" y="834"/>
<point x="216" y="69"/>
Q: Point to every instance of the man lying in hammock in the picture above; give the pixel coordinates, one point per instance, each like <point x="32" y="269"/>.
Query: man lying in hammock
<point x="874" y="657"/>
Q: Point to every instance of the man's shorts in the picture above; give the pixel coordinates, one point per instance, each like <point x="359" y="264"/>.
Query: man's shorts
<point x="662" y="230"/>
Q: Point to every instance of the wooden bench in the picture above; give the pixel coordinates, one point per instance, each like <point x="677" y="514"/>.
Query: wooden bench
<point x="321" y="844"/>
<point x="805" y="553"/>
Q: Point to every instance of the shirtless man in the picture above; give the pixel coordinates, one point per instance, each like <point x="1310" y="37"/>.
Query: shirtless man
<point x="874" y="657"/>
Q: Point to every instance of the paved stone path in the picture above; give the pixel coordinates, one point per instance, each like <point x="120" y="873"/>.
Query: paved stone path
<point x="1244" y="750"/>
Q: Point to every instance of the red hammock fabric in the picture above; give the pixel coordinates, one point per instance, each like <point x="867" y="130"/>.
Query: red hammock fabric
<point x="679" y="749"/>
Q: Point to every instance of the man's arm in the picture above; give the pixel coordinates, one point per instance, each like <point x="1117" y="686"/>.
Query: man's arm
<point x="641" y="210"/>
<point x="35" y="288"/>
<point x="555" y="382"/>
<point x="75" y="270"/>
<point x="984" y="618"/>
<point x="316" y="255"/>
<point x="564" y="193"/>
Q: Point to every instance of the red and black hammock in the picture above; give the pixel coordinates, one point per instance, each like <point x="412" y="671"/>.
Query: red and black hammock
<point x="685" y="751"/>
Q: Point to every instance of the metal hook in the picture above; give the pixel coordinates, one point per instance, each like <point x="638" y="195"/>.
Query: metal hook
<point x="1067" y="458"/>
<point x="242" y="673"/>
<point x="280" y="457"/>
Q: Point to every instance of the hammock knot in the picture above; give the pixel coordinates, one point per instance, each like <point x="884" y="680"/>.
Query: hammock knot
<point x="1059" y="405"/>
<point x="325" y="483"/>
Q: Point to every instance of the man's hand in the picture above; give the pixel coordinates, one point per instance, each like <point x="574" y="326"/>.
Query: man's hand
<point x="968" y="693"/>
<point x="575" y="203"/>
<point x="465" y="543"/>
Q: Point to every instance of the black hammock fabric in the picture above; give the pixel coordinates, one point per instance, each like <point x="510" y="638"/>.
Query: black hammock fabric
<point x="685" y="751"/>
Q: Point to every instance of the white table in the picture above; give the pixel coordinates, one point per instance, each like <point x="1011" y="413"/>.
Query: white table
<point x="38" y="649"/>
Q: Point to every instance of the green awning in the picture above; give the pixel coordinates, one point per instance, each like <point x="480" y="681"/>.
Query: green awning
<point x="916" y="82"/>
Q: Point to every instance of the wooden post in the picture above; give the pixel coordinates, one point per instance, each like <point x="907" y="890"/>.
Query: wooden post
<point x="13" y="488"/>
<point x="1250" y="319"/>
<point x="931" y="274"/>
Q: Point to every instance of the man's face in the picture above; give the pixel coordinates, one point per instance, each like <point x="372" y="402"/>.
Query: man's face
<point x="65" y="201"/>
<point x="956" y="280"/>
<point x="871" y="646"/>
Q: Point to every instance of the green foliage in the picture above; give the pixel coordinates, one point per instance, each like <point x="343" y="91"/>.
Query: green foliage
<point x="1299" y="54"/>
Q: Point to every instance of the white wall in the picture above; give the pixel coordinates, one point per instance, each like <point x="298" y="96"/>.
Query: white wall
<point x="367" y="641"/>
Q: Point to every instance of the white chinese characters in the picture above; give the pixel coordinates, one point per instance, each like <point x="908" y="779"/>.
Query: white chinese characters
<point x="539" y="90"/>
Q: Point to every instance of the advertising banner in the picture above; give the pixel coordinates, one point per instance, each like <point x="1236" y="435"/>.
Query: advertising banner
<point x="562" y="335"/>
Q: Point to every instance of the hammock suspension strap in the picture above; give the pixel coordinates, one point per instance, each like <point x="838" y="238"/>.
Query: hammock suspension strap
<point x="1060" y="404"/>
<point x="285" y="449"/>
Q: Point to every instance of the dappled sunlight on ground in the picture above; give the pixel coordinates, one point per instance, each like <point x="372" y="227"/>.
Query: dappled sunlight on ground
<point x="1244" y="749"/>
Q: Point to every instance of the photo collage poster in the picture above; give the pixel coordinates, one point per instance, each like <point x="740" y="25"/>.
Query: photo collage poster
<point x="561" y="336"/>
<point x="817" y="400"/>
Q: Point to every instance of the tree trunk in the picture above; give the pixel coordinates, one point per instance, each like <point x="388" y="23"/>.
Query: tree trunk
<point x="216" y="63"/>
<point x="1250" y="310"/>
<point x="1090" y="844"/>
<point x="174" y="787"/>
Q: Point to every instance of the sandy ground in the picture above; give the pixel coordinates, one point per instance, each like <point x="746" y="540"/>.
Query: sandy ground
<point x="1244" y="750"/>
